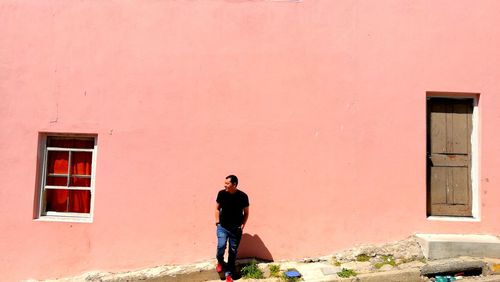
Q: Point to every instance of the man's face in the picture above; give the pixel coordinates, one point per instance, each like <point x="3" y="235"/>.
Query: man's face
<point x="228" y="185"/>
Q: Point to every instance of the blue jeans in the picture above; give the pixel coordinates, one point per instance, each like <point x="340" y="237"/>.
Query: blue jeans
<point x="233" y="235"/>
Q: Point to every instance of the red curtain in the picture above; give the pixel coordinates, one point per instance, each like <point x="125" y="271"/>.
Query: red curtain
<point x="64" y="200"/>
<point x="57" y="162"/>
<point x="81" y="164"/>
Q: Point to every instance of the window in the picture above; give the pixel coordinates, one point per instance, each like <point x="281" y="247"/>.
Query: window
<point x="67" y="177"/>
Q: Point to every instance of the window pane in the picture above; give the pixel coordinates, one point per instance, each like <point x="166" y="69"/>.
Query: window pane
<point x="81" y="163"/>
<point x="62" y="200"/>
<point x="79" y="182"/>
<point x="57" y="162"/>
<point x="79" y="201"/>
<point x="75" y="143"/>
<point x="57" y="181"/>
<point x="56" y="200"/>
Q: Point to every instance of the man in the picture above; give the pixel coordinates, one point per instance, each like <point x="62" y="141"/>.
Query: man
<point x="231" y="215"/>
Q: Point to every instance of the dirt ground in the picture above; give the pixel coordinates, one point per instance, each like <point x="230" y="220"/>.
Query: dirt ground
<point x="190" y="277"/>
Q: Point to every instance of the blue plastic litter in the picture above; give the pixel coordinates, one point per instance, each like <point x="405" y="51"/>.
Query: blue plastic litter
<point x="293" y="274"/>
<point x="445" y="278"/>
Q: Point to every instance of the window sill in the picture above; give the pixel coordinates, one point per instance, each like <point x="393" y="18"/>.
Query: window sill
<point x="452" y="218"/>
<point x="48" y="218"/>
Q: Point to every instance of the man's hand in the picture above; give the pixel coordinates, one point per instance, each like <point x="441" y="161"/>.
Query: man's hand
<point x="246" y="212"/>
<point x="217" y="218"/>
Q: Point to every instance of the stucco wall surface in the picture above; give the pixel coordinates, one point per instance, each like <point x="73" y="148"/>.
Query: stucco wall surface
<point x="318" y="107"/>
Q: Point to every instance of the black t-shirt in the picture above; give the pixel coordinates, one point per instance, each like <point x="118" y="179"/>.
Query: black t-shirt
<point x="231" y="208"/>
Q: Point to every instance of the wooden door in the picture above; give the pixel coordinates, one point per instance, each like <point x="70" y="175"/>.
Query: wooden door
<point x="449" y="127"/>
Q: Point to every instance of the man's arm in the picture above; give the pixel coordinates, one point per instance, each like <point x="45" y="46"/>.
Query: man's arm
<point x="217" y="210"/>
<point x="246" y="212"/>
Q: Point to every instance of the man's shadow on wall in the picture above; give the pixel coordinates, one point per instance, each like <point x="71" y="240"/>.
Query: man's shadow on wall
<point x="252" y="246"/>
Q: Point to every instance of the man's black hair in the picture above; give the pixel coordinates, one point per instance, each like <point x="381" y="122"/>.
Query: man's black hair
<point x="233" y="179"/>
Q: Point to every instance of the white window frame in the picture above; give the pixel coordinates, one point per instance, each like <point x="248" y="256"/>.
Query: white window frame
<point x="43" y="215"/>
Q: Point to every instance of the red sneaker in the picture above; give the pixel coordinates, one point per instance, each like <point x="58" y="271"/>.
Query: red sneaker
<point x="229" y="279"/>
<point x="219" y="267"/>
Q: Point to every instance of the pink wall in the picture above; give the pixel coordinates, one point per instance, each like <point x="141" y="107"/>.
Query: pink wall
<point x="318" y="106"/>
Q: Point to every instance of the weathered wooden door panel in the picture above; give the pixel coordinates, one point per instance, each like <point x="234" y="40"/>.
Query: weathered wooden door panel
<point x="438" y="128"/>
<point x="460" y="190"/>
<point x="439" y="178"/>
<point x="449" y="156"/>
